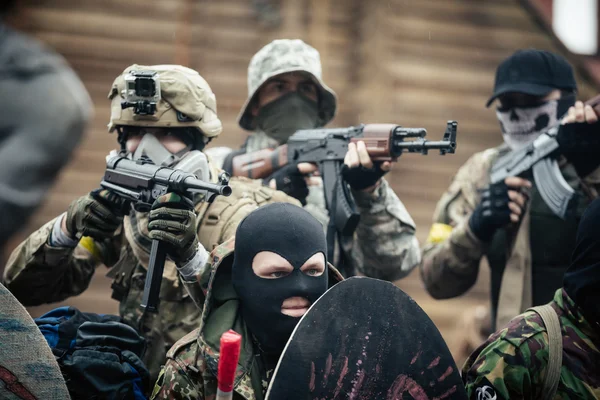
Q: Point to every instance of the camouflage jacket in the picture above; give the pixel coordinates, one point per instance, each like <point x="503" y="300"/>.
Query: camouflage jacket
<point x="384" y="245"/>
<point x="511" y="364"/>
<point x="452" y="253"/>
<point x="191" y="369"/>
<point x="38" y="273"/>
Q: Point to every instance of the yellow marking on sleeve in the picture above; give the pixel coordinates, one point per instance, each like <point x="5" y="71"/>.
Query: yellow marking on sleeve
<point x="88" y="243"/>
<point x="439" y="233"/>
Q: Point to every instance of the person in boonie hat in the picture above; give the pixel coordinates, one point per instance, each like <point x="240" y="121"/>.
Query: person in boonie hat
<point x="285" y="78"/>
<point x="286" y="93"/>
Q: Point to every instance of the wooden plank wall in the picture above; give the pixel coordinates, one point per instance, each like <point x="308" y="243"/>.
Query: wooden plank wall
<point x="416" y="63"/>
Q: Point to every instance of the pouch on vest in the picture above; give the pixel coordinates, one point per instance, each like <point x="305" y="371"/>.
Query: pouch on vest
<point x="121" y="274"/>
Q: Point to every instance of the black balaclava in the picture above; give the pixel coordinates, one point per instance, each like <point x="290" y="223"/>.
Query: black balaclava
<point x="295" y="235"/>
<point x="582" y="279"/>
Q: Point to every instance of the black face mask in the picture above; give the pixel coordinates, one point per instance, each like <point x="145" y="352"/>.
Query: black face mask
<point x="295" y="235"/>
<point x="282" y="117"/>
<point x="582" y="279"/>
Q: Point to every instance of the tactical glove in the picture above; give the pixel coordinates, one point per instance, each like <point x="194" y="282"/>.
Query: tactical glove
<point x="97" y="214"/>
<point x="290" y="181"/>
<point x="492" y="212"/>
<point x="580" y="144"/>
<point x="172" y="220"/>
<point x="360" y="178"/>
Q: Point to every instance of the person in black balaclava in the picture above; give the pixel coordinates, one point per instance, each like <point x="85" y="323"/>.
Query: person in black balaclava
<point x="279" y="270"/>
<point x="582" y="279"/>
<point x="514" y="361"/>
<point x="259" y="284"/>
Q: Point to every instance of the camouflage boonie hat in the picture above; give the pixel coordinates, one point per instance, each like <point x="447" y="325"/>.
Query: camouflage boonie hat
<point x="281" y="56"/>
<point x="186" y="101"/>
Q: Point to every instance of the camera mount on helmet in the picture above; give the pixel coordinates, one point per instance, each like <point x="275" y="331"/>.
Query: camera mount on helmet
<point x="142" y="92"/>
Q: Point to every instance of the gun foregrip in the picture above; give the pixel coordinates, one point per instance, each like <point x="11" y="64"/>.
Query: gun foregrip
<point x="156" y="266"/>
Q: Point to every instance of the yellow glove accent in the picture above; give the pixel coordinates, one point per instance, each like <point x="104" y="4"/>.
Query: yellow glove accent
<point x="88" y="243"/>
<point x="439" y="233"/>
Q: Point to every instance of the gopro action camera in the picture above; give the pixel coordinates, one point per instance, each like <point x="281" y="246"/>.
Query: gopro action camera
<point x="142" y="92"/>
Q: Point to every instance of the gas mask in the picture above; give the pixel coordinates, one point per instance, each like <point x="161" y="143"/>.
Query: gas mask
<point x="151" y="150"/>
<point x="522" y="125"/>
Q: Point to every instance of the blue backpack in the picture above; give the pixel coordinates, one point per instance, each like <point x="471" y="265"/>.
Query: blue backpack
<point x="99" y="355"/>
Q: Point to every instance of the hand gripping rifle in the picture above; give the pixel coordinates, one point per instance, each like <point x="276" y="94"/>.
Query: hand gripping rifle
<point x="540" y="157"/>
<point x="328" y="147"/>
<point x="142" y="183"/>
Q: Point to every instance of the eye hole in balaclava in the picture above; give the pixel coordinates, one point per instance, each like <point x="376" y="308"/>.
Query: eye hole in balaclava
<point x="295" y="235"/>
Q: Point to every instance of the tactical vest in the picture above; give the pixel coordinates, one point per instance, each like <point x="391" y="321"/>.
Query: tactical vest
<point x="552" y="241"/>
<point x="178" y="314"/>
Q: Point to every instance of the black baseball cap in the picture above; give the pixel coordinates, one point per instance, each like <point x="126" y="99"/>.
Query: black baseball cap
<point x="534" y="72"/>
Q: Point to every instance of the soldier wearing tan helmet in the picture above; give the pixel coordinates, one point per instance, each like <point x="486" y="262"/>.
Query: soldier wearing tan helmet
<point x="170" y="129"/>
<point x="286" y="93"/>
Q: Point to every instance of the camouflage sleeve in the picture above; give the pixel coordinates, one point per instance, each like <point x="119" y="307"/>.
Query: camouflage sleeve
<point x="452" y="253"/>
<point x="37" y="273"/>
<point x="504" y="369"/>
<point x="173" y="383"/>
<point x="384" y="245"/>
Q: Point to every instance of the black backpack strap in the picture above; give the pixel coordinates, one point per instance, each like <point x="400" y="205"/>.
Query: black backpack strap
<point x="555" y="350"/>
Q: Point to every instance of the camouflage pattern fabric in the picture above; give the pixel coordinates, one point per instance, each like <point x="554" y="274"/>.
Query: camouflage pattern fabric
<point x="281" y="56"/>
<point x="511" y="364"/>
<point x="384" y="245"/>
<point x="38" y="273"/>
<point x="182" y="90"/>
<point x="452" y="253"/>
<point x="191" y="369"/>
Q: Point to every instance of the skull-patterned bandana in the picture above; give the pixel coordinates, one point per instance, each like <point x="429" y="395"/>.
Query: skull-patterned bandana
<point x="522" y="125"/>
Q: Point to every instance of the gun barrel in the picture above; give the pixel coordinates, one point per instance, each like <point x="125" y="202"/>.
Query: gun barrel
<point x="194" y="184"/>
<point x="401" y="132"/>
<point x="417" y="145"/>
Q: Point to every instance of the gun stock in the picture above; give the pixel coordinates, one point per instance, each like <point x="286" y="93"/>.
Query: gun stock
<point x="261" y="163"/>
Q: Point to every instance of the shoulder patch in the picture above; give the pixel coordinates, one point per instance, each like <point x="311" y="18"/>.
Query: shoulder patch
<point x="486" y="391"/>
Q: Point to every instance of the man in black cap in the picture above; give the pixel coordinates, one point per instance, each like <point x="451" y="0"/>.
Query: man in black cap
<point x="526" y="245"/>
